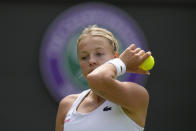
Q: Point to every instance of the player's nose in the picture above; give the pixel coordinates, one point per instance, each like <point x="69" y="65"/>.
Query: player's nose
<point x="92" y="61"/>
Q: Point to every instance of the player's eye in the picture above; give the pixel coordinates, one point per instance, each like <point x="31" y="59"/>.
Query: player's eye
<point x="83" y="58"/>
<point x="99" y="54"/>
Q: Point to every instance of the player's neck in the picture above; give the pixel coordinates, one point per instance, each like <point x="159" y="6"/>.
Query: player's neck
<point x="95" y="97"/>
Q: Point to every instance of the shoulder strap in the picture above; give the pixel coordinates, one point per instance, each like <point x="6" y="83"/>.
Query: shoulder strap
<point x="77" y="101"/>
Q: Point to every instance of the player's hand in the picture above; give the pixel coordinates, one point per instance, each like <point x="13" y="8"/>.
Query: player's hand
<point x="133" y="57"/>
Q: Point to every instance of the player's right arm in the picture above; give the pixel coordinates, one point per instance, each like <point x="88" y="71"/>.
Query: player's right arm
<point x="64" y="106"/>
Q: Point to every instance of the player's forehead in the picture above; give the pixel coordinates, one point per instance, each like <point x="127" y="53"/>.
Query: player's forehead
<point x="95" y="39"/>
<point x="96" y="42"/>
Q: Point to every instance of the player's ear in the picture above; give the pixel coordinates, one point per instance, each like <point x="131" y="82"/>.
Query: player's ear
<point x="116" y="55"/>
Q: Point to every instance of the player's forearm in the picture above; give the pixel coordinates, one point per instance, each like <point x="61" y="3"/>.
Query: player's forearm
<point x="102" y="79"/>
<point x="127" y="94"/>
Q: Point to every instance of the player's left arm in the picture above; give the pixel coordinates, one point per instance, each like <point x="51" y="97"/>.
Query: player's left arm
<point x="127" y="94"/>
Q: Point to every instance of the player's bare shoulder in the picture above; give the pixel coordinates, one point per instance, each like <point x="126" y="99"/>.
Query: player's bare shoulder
<point x="67" y="101"/>
<point x="65" y="104"/>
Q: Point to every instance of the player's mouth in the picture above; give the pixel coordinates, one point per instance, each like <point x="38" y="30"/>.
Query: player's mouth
<point x="90" y="71"/>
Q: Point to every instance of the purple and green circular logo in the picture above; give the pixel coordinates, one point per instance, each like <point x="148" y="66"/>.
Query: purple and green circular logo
<point x="58" y="55"/>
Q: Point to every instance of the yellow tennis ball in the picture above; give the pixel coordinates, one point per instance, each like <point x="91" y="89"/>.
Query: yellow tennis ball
<point x="148" y="64"/>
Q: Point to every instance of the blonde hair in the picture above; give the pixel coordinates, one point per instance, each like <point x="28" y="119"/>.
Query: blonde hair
<point x="94" y="30"/>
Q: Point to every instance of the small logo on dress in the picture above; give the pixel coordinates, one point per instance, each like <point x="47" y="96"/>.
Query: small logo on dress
<point x="67" y="119"/>
<point x="107" y="108"/>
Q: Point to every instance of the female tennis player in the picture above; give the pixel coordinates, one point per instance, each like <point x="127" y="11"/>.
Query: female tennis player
<point x="109" y="104"/>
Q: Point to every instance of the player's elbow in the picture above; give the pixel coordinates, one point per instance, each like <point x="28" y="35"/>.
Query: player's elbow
<point x="94" y="78"/>
<point x="98" y="79"/>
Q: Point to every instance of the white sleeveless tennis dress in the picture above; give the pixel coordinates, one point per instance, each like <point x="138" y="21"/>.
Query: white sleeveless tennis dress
<point x="107" y="117"/>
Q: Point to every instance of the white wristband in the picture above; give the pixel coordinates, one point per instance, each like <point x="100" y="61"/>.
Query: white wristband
<point x="119" y="65"/>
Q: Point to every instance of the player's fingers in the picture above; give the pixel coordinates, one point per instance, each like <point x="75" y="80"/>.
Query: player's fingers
<point x="146" y="55"/>
<point x="141" y="53"/>
<point x="146" y="72"/>
<point x="132" y="47"/>
<point x="140" y="71"/>
<point x="137" y="50"/>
